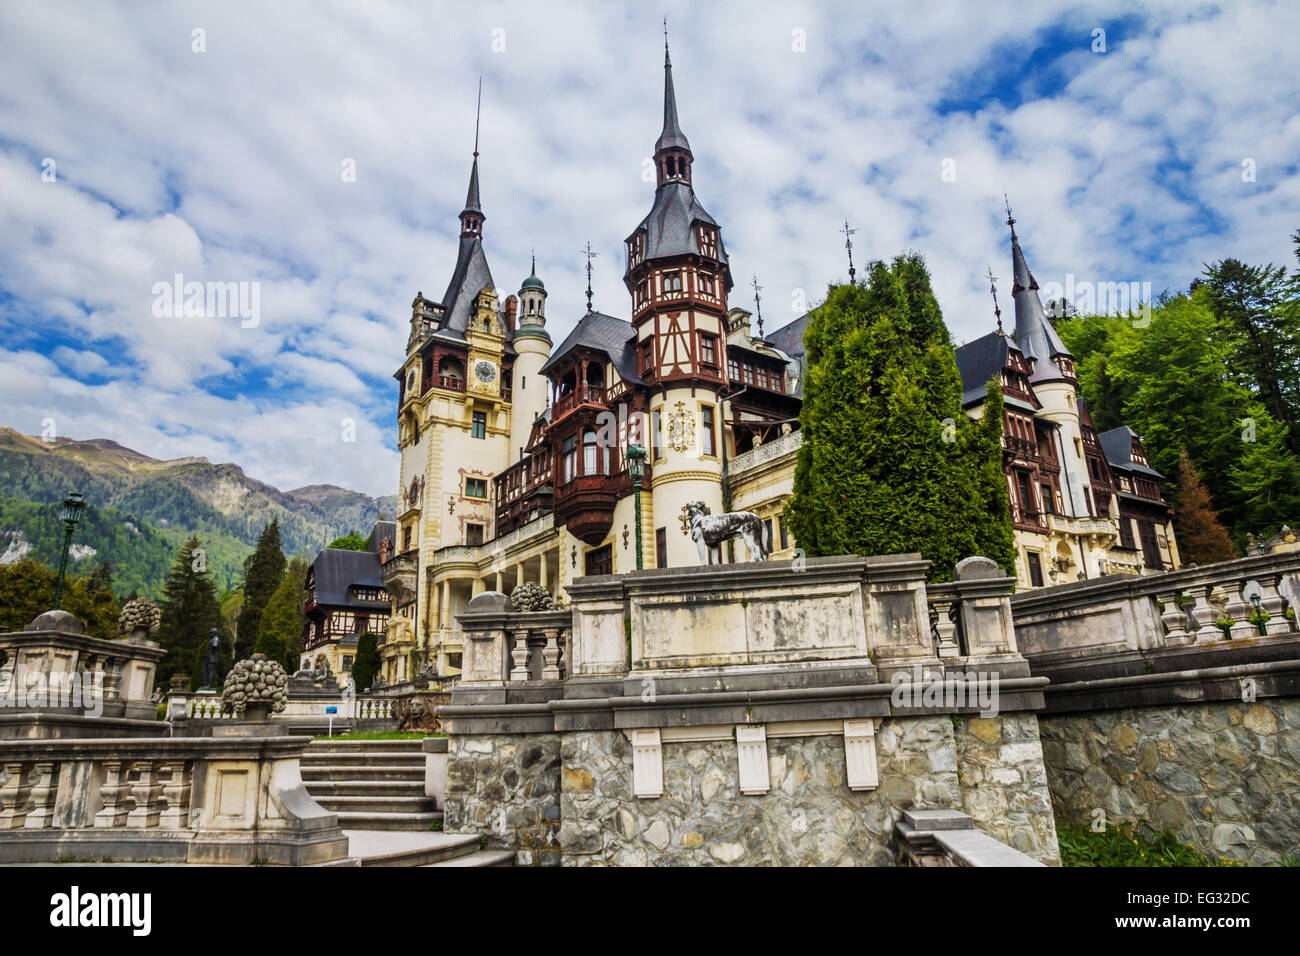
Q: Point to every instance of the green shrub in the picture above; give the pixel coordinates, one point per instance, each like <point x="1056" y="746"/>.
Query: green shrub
<point x="1128" y="844"/>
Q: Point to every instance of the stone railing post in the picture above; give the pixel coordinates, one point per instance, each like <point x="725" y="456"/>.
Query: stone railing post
<point x="112" y="794"/>
<point x="1174" y="619"/>
<point x="1204" y="615"/>
<point x="551" y="655"/>
<point x="14" y="791"/>
<point x="42" y="796"/>
<point x="1273" y="604"/>
<point x="147" y="793"/>
<point x="519" y="654"/>
<point x="175" y="813"/>
<point x="1239" y="610"/>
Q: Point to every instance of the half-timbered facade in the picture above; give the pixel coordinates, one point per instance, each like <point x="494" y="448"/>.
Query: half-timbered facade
<point x="346" y="598"/>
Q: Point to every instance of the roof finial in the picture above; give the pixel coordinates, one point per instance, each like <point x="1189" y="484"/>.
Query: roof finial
<point x="848" y="244"/>
<point x="533" y="254"/>
<point x="758" y="304"/>
<point x="590" y="255"/>
<point x="667" y="62"/>
<point x="996" y="311"/>
<point x="1010" y="220"/>
<point x="478" y="110"/>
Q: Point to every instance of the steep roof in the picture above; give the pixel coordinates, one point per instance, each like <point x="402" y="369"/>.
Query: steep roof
<point x="603" y="333"/>
<point x="468" y="279"/>
<point x="789" y="338"/>
<point x="383" y="530"/>
<point x="980" y="360"/>
<point x="668" y="224"/>
<point x="338" y="570"/>
<point x="1035" y="336"/>
<point x="672" y="135"/>
<point x="1117" y="444"/>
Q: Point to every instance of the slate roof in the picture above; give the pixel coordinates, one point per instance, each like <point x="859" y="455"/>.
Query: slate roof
<point x="980" y="360"/>
<point x="672" y="135"/>
<point x="1117" y="444"/>
<point x="338" y="570"/>
<point x="668" y="225"/>
<point x="789" y="338"/>
<point x="382" y="530"/>
<point x="468" y="279"/>
<point x="603" y="333"/>
<point x="1035" y="336"/>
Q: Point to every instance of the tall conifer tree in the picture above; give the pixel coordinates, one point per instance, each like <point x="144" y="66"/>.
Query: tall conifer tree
<point x="280" y="630"/>
<point x="890" y="463"/>
<point x="263" y="573"/>
<point x="1202" y="538"/>
<point x="189" y="612"/>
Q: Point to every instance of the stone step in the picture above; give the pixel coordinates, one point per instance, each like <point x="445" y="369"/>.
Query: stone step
<point x="375" y="804"/>
<point x="365" y="788"/>
<point x="313" y="773"/>
<point x="358" y="759"/>
<point x="481" y="858"/>
<point x="365" y="746"/>
<point x="413" y="849"/>
<point x="367" y="820"/>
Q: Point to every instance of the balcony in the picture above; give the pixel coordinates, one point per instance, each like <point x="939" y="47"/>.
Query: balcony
<point x="585" y="505"/>
<point x="770" y="451"/>
<point x="1084" y="526"/>
<point x="582" y="395"/>
<point x="400" y="574"/>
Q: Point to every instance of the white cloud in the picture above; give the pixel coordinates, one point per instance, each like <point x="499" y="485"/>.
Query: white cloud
<point x="225" y="166"/>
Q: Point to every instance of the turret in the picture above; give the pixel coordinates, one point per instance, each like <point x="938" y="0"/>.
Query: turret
<point x="532" y="349"/>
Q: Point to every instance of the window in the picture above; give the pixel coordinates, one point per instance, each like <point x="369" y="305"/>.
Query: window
<point x="1026" y="494"/>
<point x="473" y="534"/>
<point x="1035" y="569"/>
<point x="347" y="663"/>
<point x="568" y="459"/>
<point x="1078" y="448"/>
<point x="733" y="370"/>
<point x="647" y="355"/>
<point x="1047" y="498"/>
<point x="406" y="538"/>
<point x="590" y="453"/>
<point x="706" y="437"/>
<point x="672" y="282"/>
<point x="479" y="427"/>
<point x="661" y="547"/>
<point x="785" y="541"/>
<point x="656" y="435"/>
<point x="706" y="284"/>
<point x="476" y="487"/>
<point x="708" y="350"/>
<point x="599" y="561"/>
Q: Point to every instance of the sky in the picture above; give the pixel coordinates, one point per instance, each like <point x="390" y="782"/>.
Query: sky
<point x="320" y="152"/>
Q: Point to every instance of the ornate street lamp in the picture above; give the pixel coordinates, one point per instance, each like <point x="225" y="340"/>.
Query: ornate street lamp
<point x="636" y="468"/>
<point x="70" y="514"/>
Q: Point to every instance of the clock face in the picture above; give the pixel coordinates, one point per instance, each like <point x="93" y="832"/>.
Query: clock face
<point x="485" y="370"/>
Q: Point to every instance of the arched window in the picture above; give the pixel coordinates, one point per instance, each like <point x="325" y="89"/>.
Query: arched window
<point x="590" y="453"/>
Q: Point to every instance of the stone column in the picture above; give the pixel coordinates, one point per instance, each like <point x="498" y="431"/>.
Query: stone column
<point x="498" y="583"/>
<point x="541" y="577"/>
<point x="519" y="574"/>
<point x="445" y="620"/>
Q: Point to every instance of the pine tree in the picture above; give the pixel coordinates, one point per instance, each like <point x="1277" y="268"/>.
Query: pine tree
<point x="890" y="463"/>
<point x="365" y="667"/>
<point x="280" y="631"/>
<point x="189" y="612"/>
<point x="352" y="541"/>
<point x="263" y="573"/>
<point x="1202" y="538"/>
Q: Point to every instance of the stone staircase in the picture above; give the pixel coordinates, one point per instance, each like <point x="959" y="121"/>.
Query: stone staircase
<point x="370" y="784"/>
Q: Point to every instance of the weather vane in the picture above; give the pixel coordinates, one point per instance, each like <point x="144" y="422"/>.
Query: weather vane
<point x="758" y="304"/>
<point x="1010" y="221"/>
<point x="994" y="289"/>
<point x="848" y="244"/>
<point x="590" y="255"/>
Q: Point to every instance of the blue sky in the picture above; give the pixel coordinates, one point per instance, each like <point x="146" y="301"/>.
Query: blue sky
<point x="1122" y="165"/>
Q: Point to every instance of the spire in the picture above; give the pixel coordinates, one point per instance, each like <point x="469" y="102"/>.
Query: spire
<point x="758" y="304"/>
<point x="672" y="136"/>
<point x="1035" y="336"/>
<point x="993" y="288"/>
<point x="848" y="244"/>
<point x="471" y="217"/>
<point x="590" y="255"/>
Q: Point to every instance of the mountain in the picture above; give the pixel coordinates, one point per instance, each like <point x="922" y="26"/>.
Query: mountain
<point x="168" y="500"/>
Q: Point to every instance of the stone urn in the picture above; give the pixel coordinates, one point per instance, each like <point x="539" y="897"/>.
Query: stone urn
<point x="255" y="688"/>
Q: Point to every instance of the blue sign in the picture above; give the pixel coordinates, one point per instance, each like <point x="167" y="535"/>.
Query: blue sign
<point x="331" y="710"/>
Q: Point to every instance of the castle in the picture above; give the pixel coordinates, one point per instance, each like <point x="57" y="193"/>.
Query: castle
<point x="514" y="451"/>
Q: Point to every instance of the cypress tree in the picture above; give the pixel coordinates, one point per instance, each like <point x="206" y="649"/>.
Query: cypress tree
<point x="890" y="462"/>
<point x="1202" y="538"/>
<point x="280" y="630"/>
<point x="263" y="573"/>
<point x="366" y="665"/>
<point x="189" y="612"/>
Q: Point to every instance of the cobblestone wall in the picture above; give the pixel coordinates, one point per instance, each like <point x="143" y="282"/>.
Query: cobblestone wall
<point x="809" y="816"/>
<point x="1004" y="784"/>
<point x="506" y="786"/>
<point x="1224" y="777"/>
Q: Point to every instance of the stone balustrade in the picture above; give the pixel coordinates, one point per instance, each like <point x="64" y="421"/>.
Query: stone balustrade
<point x="787" y="444"/>
<point x="507" y="647"/>
<point x="58" y="681"/>
<point x="237" y="799"/>
<point x="206" y="705"/>
<point x="1195" y="606"/>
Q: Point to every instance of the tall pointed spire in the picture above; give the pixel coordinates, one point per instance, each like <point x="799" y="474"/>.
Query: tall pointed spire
<point x="471" y="217"/>
<point x="672" y="135"/>
<point x="1035" y="336"/>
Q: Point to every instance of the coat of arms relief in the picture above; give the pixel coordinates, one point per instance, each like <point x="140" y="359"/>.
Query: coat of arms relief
<point x="681" y="429"/>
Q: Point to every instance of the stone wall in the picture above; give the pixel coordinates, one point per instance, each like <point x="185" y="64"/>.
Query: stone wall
<point x="506" y="787"/>
<point x="809" y="816"/>
<point x="1223" y="776"/>
<point x="1003" y="784"/>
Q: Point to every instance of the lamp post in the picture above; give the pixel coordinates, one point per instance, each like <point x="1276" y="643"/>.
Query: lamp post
<point x="636" y="468"/>
<point x="70" y="514"/>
